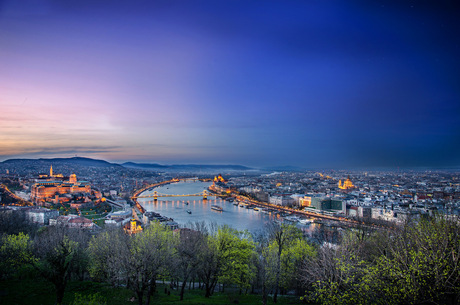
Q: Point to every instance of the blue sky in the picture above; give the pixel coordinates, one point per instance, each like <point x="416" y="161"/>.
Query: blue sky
<point x="316" y="84"/>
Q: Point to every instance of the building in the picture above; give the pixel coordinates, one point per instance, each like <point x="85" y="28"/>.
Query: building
<point x="282" y="199"/>
<point x="305" y="201"/>
<point x="51" y="175"/>
<point x="80" y="223"/>
<point x="328" y="204"/>
<point x="359" y="211"/>
<point x="41" y="215"/>
<point x="347" y="184"/>
<point x="44" y="190"/>
<point x="134" y="225"/>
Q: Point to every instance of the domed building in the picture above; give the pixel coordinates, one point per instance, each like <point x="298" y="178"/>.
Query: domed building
<point x="347" y="184"/>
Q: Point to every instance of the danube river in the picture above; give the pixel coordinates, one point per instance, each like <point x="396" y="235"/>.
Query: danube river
<point x="177" y="208"/>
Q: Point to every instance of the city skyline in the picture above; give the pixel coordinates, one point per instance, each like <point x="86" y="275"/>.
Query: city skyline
<point x="344" y="84"/>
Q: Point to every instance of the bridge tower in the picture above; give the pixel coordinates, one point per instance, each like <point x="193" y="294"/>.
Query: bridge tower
<point x="205" y="195"/>
<point x="155" y="196"/>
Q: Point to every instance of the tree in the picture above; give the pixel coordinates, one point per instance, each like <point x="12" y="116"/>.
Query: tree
<point x="209" y="265"/>
<point x="292" y="259"/>
<point x="422" y="262"/>
<point x="55" y="251"/>
<point x="151" y="252"/>
<point x="235" y="250"/>
<point x="281" y="235"/>
<point x="135" y="260"/>
<point x="14" y="222"/>
<point x="418" y="263"/>
<point x="15" y="253"/>
<point x="190" y="244"/>
<point x="262" y="261"/>
<point x="108" y="252"/>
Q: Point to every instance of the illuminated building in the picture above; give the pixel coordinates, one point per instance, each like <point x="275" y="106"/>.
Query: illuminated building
<point x="347" y="184"/>
<point x="51" y="175"/>
<point x="50" y="188"/>
<point x="219" y="184"/>
<point x="219" y="178"/>
<point x="134" y="226"/>
<point x="305" y="201"/>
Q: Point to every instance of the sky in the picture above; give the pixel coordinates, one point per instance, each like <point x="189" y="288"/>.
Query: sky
<point x="313" y="84"/>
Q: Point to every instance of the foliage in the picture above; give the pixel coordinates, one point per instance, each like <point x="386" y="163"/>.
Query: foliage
<point x="187" y="258"/>
<point x="15" y="253"/>
<point x="235" y="251"/>
<point x="92" y="299"/>
<point x="281" y="236"/>
<point x="418" y="263"/>
<point x="106" y="251"/>
<point x="136" y="261"/>
<point x="37" y="291"/>
<point x="15" y="222"/>
<point x="210" y="264"/>
<point x="56" y="253"/>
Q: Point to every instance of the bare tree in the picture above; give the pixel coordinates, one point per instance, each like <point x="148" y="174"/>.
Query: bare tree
<point x="188" y="250"/>
<point x="56" y="253"/>
<point x="13" y="222"/>
<point x="209" y="266"/>
<point x="108" y="252"/>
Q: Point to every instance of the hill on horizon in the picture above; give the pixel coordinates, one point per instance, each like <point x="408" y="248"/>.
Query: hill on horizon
<point x="185" y="166"/>
<point x="73" y="160"/>
<point x="83" y="161"/>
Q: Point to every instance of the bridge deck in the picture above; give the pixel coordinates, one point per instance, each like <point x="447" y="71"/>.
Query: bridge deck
<point x="166" y="195"/>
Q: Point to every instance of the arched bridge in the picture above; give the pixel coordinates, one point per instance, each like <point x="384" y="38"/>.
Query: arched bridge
<point x="155" y="195"/>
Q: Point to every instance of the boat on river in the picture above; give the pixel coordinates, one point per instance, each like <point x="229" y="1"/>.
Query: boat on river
<point x="216" y="208"/>
<point x="305" y="221"/>
<point x="188" y="211"/>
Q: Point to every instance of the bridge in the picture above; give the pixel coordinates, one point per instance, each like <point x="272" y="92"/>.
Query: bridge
<point x="155" y="195"/>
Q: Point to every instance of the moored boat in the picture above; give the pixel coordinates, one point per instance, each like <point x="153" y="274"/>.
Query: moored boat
<point x="216" y="208"/>
<point x="305" y="221"/>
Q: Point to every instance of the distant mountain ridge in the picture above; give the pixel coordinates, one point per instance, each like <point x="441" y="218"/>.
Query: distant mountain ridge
<point x="143" y="165"/>
<point x="185" y="166"/>
<point x="152" y="166"/>
<point x="74" y="160"/>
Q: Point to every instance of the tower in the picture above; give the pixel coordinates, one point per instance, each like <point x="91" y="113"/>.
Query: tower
<point x="51" y="171"/>
<point x="73" y="178"/>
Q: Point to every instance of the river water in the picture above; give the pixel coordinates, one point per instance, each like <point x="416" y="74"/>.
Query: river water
<point x="239" y="218"/>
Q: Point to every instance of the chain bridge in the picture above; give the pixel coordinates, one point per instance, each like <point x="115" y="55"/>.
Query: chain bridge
<point x="155" y="195"/>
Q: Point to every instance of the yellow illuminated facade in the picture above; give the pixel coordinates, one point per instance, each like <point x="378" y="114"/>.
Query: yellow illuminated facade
<point x="219" y="178"/>
<point x="347" y="184"/>
<point x="50" y="188"/>
<point x="134" y="226"/>
<point x="51" y="175"/>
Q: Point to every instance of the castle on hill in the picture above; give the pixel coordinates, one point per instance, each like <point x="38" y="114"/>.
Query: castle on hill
<point x="55" y="185"/>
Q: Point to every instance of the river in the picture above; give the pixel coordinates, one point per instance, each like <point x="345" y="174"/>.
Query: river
<point x="239" y="218"/>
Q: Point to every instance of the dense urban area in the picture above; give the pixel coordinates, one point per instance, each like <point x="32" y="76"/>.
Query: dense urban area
<point x="337" y="237"/>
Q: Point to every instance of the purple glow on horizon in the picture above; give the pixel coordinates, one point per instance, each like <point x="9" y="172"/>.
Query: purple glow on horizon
<point x="313" y="84"/>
